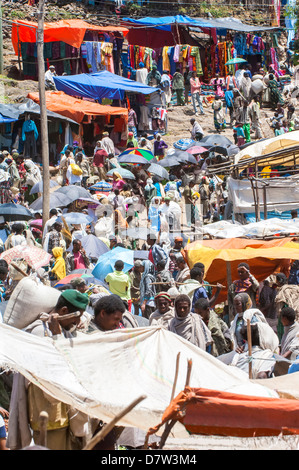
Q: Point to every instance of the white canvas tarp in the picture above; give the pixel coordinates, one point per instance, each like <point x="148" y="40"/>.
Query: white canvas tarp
<point x="281" y="195"/>
<point x="263" y="228"/>
<point x="101" y="374"/>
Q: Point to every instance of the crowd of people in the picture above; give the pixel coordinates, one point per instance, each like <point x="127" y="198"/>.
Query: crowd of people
<point x="156" y="217"/>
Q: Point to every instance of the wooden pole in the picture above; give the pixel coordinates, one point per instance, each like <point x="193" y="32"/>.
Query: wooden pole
<point x="43" y="422"/>
<point x="43" y="111"/>
<point x="108" y="427"/>
<point x="1" y="40"/>
<point x="265" y="201"/>
<point x="249" y="348"/>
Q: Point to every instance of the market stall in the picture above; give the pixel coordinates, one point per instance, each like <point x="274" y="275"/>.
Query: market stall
<point x="72" y="46"/>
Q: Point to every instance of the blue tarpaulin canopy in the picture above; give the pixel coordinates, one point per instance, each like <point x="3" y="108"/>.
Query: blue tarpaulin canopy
<point x="100" y="85"/>
<point x="164" y="23"/>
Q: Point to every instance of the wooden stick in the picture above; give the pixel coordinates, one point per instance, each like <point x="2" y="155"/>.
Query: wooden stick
<point x="189" y="368"/>
<point x="249" y="347"/>
<point x="43" y="422"/>
<point x="18" y="269"/>
<point x="175" y="376"/>
<point x="108" y="427"/>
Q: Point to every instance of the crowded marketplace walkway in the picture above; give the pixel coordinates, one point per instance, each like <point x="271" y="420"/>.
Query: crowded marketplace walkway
<point x="173" y="230"/>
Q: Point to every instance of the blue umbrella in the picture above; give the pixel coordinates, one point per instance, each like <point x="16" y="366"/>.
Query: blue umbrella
<point x="38" y="187"/>
<point x="106" y="262"/>
<point x="12" y="211"/>
<point x="77" y="218"/>
<point x="184" y="144"/>
<point x="101" y="186"/>
<point x="93" y="246"/>
<point x="124" y="173"/>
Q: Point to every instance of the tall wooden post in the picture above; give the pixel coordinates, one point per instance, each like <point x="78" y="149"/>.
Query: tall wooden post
<point x="43" y="111"/>
<point x="1" y="40"/>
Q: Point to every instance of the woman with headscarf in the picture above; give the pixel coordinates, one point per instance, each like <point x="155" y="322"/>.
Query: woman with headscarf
<point x="166" y="86"/>
<point x="244" y="312"/>
<point x="246" y="283"/>
<point x="117" y="181"/>
<point x="58" y="271"/>
<point x="147" y="289"/>
<point x="150" y="191"/>
<point x="275" y="95"/>
<point x="245" y="87"/>
<point x="154" y="214"/>
<point x="154" y="77"/>
<point x="189" y="325"/>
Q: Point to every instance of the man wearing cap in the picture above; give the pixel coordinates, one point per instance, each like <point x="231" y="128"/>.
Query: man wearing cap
<point x="79" y="284"/>
<point x="107" y="144"/>
<point x="56" y="324"/>
<point x="164" y="312"/>
<point x="49" y="81"/>
<point x="119" y="282"/>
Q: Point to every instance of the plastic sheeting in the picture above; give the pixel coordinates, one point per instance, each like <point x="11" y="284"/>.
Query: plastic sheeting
<point x="102" y="373"/>
<point x="281" y="194"/>
<point x="71" y="32"/>
<point x="100" y="85"/>
<point x="77" y="109"/>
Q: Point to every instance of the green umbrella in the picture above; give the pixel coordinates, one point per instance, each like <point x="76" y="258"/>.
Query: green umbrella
<point x="235" y="61"/>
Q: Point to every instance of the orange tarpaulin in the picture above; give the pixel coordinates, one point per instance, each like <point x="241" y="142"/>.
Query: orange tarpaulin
<point x="77" y="109"/>
<point x="263" y="258"/>
<point x="71" y="32"/>
<point x="213" y="412"/>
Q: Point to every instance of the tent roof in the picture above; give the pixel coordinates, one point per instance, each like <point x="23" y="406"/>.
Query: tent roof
<point x="263" y="257"/>
<point x="234" y="24"/>
<point x="164" y="23"/>
<point x="76" y="109"/>
<point x="15" y="110"/>
<point x="69" y="31"/>
<point x="100" y="85"/>
<point x="266" y="147"/>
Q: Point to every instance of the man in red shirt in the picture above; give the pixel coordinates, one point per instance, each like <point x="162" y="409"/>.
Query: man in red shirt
<point x="196" y="92"/>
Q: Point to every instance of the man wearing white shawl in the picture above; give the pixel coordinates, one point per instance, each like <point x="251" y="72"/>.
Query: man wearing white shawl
<point x="189" y="325"/>
<point x="289" y="346"/>
<point x="164" y="312"/>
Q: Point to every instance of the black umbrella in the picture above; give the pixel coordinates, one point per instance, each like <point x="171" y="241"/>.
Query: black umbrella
<point x="226" y="150"/>
<point x="12" y="212"/>
<point x="214" y="139"/>
<point x="168" y="162"/>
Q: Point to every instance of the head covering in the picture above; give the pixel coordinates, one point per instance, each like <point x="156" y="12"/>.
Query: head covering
<point x="76" y="298"/>
<point x="245" y="299"/>
<point x="141" y="65"/>
<point x="138" y="263"/>
<point x="163" y="295"/>
<point x="59" y="266"/>
<point x="77" y="281"/>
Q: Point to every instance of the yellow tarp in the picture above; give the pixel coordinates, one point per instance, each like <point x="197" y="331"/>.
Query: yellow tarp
<point x="264" y="258"/>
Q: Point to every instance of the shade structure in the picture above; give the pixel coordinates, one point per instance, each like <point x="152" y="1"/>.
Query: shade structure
<point x="103" y="186"/>
<point x="184" y="144"/>
<point x="196" y="150"/>
<point x="36" y="223"/>
<point x="73" y="191"/>
<point x="12" y="211"/>
<point x="147" y="154"/>
<point x="215" y="139"/>
<point x="213" y="412"/>
<point x="106" y="262"/>
<point x="235" y="61"/>
<point x="168" y="162"/>
<point x="75" y="108"/>
<point x="158" y="170"/>
<point x="93" y="246"/>
<point x="266" y="147"/>
<point x="57" y="199"/>
<point x="70" y="31"/>
<point x="88" y="278"/>
<point x="263" y="257"/>
<point x="100" y="85"/>
<point x="123" y="172"/>
<point x="228" y="150"/>
<point x="35" y="256"/>
<point x="131" y="158"/>
<point x="38" y="187"/>
<point x="77" y="218"/>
